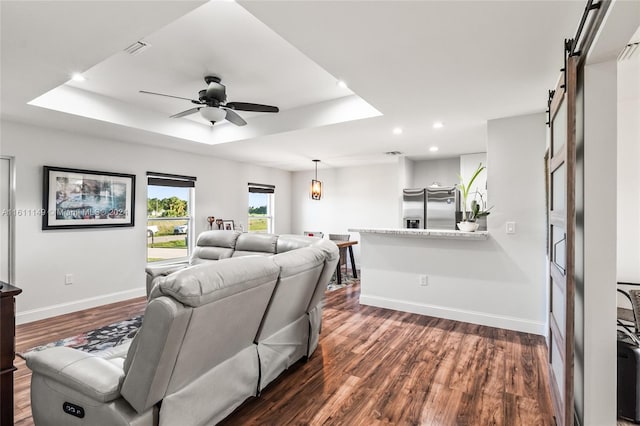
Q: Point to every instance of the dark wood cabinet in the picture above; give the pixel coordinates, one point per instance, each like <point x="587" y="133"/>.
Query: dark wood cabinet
<point x="7" y="350"/>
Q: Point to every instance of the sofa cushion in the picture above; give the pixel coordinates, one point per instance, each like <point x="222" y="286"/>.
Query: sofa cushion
<point x="91" y="375"/>
<point x="226" y="239"/>
<point x="211" y="281"/>
<point x="293" y="264"/>
<point x="332" y="255"/>
<point x="153" y="352"/>
<point x="299" y="273"/>
<point x="214" y="245"/>
<point x="291" y="242"/>
<point x="255" y="244"/>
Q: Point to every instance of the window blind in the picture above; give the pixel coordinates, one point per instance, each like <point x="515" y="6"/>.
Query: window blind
<point x="259" y="188"/>
<point x="165" y="179"/>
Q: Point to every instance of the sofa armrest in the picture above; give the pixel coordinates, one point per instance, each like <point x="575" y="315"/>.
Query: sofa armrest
<point x="91" y="375"/>
<point x="156" y="271"/>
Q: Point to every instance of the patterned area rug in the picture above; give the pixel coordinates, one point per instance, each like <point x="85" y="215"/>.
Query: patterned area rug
<point x="99" y="339"/>
<point x="347" y="280"/>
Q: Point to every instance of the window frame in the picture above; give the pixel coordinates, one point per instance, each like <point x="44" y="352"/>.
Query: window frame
<point x="165" y="179"/>
<point x="270" y="216"/>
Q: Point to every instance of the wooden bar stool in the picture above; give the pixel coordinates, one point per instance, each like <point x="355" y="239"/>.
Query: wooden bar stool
<point x="343" y="243"/>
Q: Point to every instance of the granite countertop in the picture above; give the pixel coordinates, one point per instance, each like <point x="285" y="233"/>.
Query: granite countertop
<point x="426" y="233"/>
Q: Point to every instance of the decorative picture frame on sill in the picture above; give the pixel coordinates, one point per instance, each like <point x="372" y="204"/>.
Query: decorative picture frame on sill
<point x="77" y="198"/>
<point x="228" y="225"/>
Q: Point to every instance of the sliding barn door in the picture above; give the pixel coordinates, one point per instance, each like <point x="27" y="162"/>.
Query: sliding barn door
<point x="561" y="180"/>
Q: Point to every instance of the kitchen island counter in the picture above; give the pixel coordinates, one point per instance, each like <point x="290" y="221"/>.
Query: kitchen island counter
<point x="462" y="276"/>
<point x="426" y="233"/>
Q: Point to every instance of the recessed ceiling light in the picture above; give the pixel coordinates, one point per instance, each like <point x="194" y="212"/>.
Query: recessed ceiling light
<point x="438" y="125"/>
<point x="397" y="131"/>
<point x="433" y="149"/>
<point x="76" y="76"/>
<point x="342" y="84"/>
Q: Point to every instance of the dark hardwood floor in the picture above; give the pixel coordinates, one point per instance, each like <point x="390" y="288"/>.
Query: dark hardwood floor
<point x="373" y="366"/>
<point x="51" y="329"/>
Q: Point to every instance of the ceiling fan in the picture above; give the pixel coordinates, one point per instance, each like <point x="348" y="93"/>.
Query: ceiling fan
<point x="213" y="105"/>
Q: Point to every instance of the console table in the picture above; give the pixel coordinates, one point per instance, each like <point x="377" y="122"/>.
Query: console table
<point x="7" y="350"/>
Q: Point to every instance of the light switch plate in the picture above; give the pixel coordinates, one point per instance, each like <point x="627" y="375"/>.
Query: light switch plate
<point x="511" y="227"/>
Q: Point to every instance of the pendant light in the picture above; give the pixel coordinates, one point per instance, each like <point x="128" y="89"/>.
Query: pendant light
<point x="316" y="185"/>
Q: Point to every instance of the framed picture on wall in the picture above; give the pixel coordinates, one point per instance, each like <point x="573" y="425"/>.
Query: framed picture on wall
<point x="76" y="198"/>
<point x="227" y="225"/>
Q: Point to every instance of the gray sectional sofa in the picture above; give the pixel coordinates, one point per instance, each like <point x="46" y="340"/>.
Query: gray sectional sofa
<point x="215" y="332"/>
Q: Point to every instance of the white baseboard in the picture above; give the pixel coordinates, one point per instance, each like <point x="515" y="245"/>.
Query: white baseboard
<point x="481" y="318"/>
<point x="77" y="305"/>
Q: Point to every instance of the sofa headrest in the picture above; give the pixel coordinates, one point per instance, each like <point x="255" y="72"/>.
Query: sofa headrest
<point x="225" y="239"/>
<point x="329" y="248"/>
<point x="292" y="242"/>
<point x="288" y="242"/>
<point x="263" y="243"/>
<point x="293" y="263"/>
<point x="208" y="282"/>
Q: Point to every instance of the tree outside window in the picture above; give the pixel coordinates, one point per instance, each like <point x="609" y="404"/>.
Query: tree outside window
<point x="261" y="208"/>
<point x="168" y="220"/>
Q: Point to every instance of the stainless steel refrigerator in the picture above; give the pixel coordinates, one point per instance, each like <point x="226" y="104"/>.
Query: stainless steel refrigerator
<point x="413" y="208"/>
<point x="441" y="207"/>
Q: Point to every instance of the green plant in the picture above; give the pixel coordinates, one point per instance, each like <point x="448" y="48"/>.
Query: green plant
<point x="477" y="209"/>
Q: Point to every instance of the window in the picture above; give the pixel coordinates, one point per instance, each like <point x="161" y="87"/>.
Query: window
<point x="261" y="208"/>
<point x="169" y="216"/>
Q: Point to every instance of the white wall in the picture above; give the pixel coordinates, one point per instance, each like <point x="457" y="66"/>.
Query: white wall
<point x="443" y="170"/>
<point x="600" y="159"/>
<point x="516" y="186"/>
<point x="628" y="171"/>
<point x="108" y="264"/>
<point x="354" y="197"/>
<point x="406" y="171"/>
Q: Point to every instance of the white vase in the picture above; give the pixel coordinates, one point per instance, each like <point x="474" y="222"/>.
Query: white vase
<point x="468" y="226"/>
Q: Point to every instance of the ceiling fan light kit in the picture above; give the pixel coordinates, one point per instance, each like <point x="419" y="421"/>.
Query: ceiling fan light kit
<point x="213" y="114"/>
<point x="214" y="104"/>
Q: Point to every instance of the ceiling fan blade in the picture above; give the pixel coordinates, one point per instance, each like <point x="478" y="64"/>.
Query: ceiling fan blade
<point x="234" y="118"/>
<point x="185" y="113"/>
<point x="170" y="96"/>
<point x="245" y="106"/>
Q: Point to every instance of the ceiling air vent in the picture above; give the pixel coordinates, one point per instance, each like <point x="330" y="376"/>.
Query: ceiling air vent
<point x="137" y="48"/>
<point x="629" y="51"/>
<point x="393" y="153"/>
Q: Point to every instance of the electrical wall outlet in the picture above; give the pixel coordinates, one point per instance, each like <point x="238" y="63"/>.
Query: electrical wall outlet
<point x="511" y="227"/>
<point x="424" y="280"/>
<point x="68" y="279"/>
